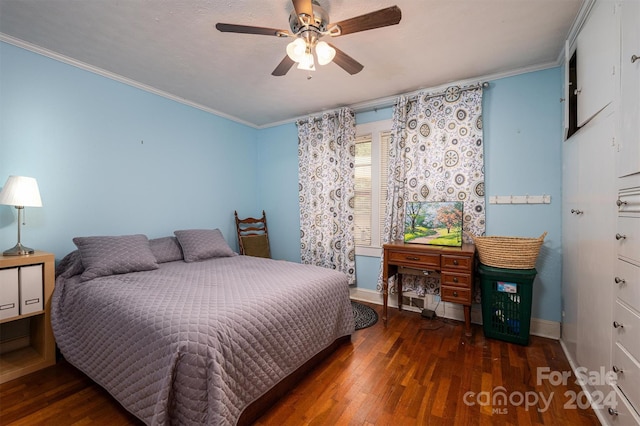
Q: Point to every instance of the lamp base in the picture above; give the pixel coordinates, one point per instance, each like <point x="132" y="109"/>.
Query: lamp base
<point x="18" y="250"/>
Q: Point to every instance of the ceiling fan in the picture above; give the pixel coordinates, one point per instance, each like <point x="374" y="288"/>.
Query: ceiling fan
<point x="309" y="22"/>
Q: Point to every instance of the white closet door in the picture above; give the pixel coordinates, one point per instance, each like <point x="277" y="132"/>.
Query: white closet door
<point x="596" y="241"/>
<point x="597" y="53"/>
<point x="570" y="246"/>
<point x="628" y="158"/>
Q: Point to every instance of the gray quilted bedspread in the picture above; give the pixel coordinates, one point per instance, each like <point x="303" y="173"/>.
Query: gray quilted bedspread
<point x="196" y="343"/>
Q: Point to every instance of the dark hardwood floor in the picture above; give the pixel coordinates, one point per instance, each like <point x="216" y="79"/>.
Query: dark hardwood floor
<point x="414" y="371"/>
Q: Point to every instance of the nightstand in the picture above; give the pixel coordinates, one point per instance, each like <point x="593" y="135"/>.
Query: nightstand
<point x="28" y="282"/>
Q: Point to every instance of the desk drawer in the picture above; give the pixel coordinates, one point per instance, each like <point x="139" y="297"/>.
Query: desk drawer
<point x="455" y="295"/>
<point x="451" y="262"/>
<point x="455" y="279"/>
<point x="419" y="260"/>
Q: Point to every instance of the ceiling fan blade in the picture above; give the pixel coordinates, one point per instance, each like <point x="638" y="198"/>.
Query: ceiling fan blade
<point x="246" y="29"/>
<point x="303" y="7"/>
<point x="283" y="67"/>
<point x="346" y="62"/>
<point x="381" y="18"/>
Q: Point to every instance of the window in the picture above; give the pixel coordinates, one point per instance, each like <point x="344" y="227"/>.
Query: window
<point x="372" y="147"/>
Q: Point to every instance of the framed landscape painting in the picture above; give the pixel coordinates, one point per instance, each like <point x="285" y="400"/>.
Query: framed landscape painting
<point x="438" y="223"/>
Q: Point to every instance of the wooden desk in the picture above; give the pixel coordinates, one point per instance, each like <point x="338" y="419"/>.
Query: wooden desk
<point x="455" y="264"/>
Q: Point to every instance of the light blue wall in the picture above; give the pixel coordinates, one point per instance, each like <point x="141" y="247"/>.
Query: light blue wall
<point x="523" y="155"/>
<point x="277" y="189"/>
<point x="81" y="136"/>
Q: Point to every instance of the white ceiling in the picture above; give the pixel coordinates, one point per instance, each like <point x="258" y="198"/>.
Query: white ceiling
<point x="172" y="47"/>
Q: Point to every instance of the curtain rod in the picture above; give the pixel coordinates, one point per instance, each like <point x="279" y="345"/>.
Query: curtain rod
<point x="479" y="85"/>
<point x="392" y="100"/>
<point x="318" y="116"/>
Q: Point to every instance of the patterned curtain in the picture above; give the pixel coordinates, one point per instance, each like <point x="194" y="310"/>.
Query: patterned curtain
<point x="326" y="172"/>
<point x="435" y="154"/>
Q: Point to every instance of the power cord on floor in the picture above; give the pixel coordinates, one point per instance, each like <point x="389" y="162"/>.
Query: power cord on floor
<point x="437" y="304"/>
<point x="433" y="319"/>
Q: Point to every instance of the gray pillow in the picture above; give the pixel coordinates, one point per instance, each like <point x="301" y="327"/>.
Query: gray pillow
<point x="201" y="244"/>
<point x="166" y="249"/>
<point x="114" y="255"/>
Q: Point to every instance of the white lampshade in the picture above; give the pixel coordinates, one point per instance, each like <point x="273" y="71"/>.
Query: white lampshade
<point x="325" y="53"/>
<point x="307" y="63"/>
<point x="296" y="49"/>
<point x="21" y="191"/>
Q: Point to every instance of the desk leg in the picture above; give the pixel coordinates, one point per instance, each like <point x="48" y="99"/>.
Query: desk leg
<point x="467" y="320"/>
<point x="385" y="300"/>
<point x="385" y="293"/>
<point x="387" y="271"/>
<point x="399" y="290"/>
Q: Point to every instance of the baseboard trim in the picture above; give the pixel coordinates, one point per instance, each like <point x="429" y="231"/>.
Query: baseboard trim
<point x="572" y="363"/>
<point x="538" y="327"/>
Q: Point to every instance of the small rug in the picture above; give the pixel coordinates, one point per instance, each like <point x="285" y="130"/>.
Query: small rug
<point x="363" y="315"/>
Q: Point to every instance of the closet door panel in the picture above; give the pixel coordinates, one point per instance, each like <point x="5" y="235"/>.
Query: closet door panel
<point x="628" y="157"/>
<point x="570" y="246"/>
<point x="597" y="47"/>
<point x="597" y="250"/>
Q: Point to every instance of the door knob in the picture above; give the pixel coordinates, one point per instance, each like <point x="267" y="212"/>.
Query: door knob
<point x="616" y="370"/>
<point x="576" y="211"/>
<point x="619" y="202"/>
<point x="616" y="324"/>
<point x="619" y="280"/>
<point x="620" y="236"/>
<point x="612" y="411"/>
<point x="634" y="58"/>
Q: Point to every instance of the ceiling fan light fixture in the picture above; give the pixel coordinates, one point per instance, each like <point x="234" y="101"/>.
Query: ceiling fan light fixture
<point x="297" y="49"/>
<point x="309" y="22"/>
<point x="307" y="63"/>
<point x="325" y="53"/>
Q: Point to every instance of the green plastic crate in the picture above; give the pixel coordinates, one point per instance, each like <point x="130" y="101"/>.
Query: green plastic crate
<point x="506" y="303"/>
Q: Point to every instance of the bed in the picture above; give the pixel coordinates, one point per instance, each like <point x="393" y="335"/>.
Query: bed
<point x="182" y="330"/>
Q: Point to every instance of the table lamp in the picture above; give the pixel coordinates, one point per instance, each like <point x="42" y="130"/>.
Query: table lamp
<point x="21" y="192"/>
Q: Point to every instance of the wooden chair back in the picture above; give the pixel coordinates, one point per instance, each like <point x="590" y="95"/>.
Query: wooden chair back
<point x="253" y="236"/>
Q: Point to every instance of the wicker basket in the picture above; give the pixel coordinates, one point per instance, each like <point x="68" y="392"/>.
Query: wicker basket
<point x="508" y="252"/>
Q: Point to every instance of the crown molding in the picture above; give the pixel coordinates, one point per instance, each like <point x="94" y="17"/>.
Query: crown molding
<point x="364" y="106"/>
<point x="117" y="77"/>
